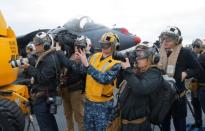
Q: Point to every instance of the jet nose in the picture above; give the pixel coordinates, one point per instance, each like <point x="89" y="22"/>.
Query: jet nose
<point x="137" y="40"/>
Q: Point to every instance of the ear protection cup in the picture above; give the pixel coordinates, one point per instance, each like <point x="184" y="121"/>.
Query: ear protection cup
<point x="154" y="56"/>
<point x="117" y="38"/>
<point x="180" y="39"/>
<point x="117" y="45"/>
<point x="46" y="45"/>
<point x="116" y="42"/>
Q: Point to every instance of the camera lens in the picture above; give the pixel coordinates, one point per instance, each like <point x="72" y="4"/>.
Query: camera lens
<point x="19" y="62"/>
<point x="118" y="56"/>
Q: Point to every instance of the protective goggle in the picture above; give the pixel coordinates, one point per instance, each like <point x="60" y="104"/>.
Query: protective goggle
<point x="38" y="41"/>
<point x="141" y="47"/>
<point x="166" y="39"/>
<point x="141" y="54"/>
<point x="105" y="45"/>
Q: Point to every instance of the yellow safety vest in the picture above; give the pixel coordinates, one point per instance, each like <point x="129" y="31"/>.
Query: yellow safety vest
<point x="96" y="91"/>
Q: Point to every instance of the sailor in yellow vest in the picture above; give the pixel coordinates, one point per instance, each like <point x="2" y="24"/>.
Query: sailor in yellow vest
<point x="102" y="71"/>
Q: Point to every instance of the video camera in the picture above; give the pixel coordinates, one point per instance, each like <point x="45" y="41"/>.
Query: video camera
<point x="19" y="62"/>
<point x="66" y="39"/>
<point x="69" y="40"/>
<point x="80" y="43"/>
<point x="140" y="51"/>
<point x="129" y="53"/>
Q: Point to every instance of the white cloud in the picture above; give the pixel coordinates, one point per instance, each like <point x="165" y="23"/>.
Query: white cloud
<point x="145" y="18"/>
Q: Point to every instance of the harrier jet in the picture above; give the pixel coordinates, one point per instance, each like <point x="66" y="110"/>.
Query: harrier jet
<point x="85" y="26"/>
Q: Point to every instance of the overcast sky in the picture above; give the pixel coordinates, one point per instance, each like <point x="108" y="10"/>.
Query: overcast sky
<point x="145" y="18"/>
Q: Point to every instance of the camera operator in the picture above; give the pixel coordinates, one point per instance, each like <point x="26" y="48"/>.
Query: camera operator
<point x="73" y="90"/>
<point x="179" y="63"/>
<point x="46" y="74"/>
<point x="140" y="84"/>
<point x="45" y="83"/>
<point x="102" y="71"/>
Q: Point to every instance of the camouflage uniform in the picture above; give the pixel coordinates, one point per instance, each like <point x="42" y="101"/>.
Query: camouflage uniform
<point x="98" y="114"/>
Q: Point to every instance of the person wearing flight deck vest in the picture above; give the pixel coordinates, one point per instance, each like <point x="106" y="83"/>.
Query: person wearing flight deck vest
<point x="102" y="71"/>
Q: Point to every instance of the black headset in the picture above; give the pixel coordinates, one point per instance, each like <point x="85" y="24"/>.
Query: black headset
<point x="46" y="45"/>
<point x="179" y="39"/>
<point x="155" y="55"/>
<point x="155" y="58"/>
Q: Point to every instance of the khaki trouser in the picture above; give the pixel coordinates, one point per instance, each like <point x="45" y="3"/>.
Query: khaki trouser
<point x="73" y="106"/>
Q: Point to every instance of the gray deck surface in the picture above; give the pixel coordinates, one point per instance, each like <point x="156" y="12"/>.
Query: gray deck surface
<point x="62" y="122"/>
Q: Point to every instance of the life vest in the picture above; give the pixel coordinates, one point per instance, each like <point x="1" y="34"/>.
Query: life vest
<point x="96" y="91"/>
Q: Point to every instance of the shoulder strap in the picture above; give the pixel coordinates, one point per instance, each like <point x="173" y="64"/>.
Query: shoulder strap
<point x="122" y="86"/>
<point x="57" y="68"/>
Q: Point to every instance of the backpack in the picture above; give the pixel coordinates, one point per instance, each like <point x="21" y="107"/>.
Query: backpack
<point x="161" y="100"/>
